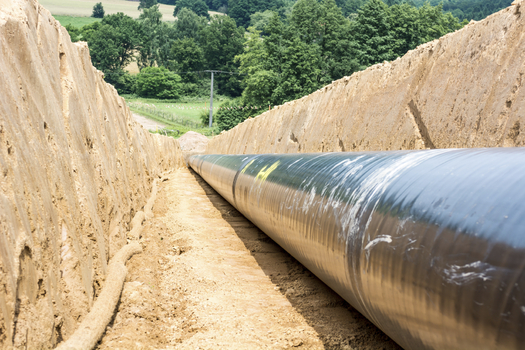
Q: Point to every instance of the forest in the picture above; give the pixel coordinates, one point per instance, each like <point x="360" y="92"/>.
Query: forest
<point x="269" y="52"/>
<point x="468" y="9"/>
<point x="241" y="10"/>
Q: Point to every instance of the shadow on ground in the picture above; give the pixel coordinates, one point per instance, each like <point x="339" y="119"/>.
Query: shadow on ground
<point x="337" y="323"/>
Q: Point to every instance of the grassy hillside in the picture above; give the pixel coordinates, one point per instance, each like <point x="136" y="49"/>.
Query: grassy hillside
<point x="177" y="115"/>
<point x="75" y="21"/>
<point x="84" y="8"/>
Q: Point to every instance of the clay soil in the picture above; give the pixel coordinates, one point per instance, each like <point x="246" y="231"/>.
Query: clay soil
<point x="209" y="279"/>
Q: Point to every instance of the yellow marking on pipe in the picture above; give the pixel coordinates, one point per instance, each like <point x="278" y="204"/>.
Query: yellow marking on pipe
<point x="247" y="165"/>
<point x="264" y="173"/>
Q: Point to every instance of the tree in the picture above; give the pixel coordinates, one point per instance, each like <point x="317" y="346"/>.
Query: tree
<point x="221" y="40"/>
<point x="217" y="5"/>
<point x="259" y="20"/>
<point x="372" y="32"/>
<point x="468" y="9"/>
<point x="240" y="10"/>
<point x="338" y="48"/>
<point x="275" y="43"/>
<point x="188" y="24"/>
<point x="158" y="82"/>
<point x="300" y="72"/>
<point x="197" y="6"/>
<point x="351" y="6"/>
<point x="87" y="31"/>
<point x="306" y="20"/>
<point x="220" y="5"/>
<point x="157" y="38"/>
<point x="260" y="81"/>
<point x="98" y="10"/>
<point x="73" y="31"/>
<point x="405" y="28"/>
<point x="434" y="23"/>
<point x="104" y="47"/>
<point x="187" y="57"/>
<point x="146" y="4"/>
<point x="126" y="34"/>
<point x="392" y="2"/>
<point x="112" y="43"/>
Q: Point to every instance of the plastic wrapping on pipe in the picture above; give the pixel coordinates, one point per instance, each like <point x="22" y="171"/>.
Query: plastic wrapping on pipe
<point x="428" y="245"/>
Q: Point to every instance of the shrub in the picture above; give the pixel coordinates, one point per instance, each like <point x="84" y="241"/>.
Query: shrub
<point x="98" y="10"/>
<point x="158" y="82"/>
<point x="124" y="82"/>
<point x="229" y="115"/>
<point x="205" y="117"/>
<point x="73" y="31"/>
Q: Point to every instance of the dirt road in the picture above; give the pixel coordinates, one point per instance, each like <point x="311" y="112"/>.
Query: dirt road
<point x="148" y="124"/>
<point x="209" y="279"/>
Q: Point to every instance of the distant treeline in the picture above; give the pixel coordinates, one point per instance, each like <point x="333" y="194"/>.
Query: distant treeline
<point x="469" y="9"/>
<point x="241" y="10"/>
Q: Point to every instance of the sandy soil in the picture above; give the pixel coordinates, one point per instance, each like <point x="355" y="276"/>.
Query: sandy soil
<point x="148" y="124"/>
<point x="193" y="142"/>
<point x="209" y="279"/>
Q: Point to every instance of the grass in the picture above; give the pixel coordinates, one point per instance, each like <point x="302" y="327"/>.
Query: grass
<point x="84" y="8"/>
<point x="75" y="21"/>
<point x="180" y="115"/>
<point x="175" y="129"/>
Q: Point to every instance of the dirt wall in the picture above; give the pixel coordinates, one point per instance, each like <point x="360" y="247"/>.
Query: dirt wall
<point x="74" y="168"/>
<point x="463" y="90"/>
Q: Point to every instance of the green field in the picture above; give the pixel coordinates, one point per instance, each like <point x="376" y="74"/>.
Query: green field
<point x="75" y="21"/>
<point x="84" y="8"/>
<point x="181" y="116"/>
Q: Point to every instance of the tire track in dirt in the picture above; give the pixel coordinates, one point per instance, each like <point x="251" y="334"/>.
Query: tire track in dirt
<point x="210" y="279"/>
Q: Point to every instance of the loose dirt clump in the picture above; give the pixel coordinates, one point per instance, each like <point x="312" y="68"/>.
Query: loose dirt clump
<point x="208" y="279"/>
<point x="193" y="143"/>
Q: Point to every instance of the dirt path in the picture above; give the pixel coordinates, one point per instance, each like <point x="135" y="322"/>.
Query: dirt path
<point x="209" y="279"/>
<point x="148" y="124"/>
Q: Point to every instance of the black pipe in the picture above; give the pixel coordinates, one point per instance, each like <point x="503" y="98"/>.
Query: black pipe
<point x="428" y="245"/>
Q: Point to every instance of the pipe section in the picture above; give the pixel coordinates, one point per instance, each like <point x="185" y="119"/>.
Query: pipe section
<point x="428" y="245"/>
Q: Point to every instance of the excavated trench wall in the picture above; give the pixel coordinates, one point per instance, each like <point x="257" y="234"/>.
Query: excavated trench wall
<point x="463" y="90"/>
<point x="74" y="168"/>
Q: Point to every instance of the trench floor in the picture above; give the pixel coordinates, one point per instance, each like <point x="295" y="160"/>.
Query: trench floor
<point x="209" y="279"/>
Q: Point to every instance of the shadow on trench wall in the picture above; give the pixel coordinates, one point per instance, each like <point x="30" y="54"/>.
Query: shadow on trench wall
<point x="337" y="323"/>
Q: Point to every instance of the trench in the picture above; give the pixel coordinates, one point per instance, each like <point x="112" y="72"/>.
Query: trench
<point x="208" y="278"/>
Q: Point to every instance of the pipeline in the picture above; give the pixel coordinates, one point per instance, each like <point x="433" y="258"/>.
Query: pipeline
<point x="428" y="245"/>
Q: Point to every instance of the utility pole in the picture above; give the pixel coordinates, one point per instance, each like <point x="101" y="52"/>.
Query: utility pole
<point x="211" y="101"/>
<point x="211" y="90"/>
<point x="211" y="95"/>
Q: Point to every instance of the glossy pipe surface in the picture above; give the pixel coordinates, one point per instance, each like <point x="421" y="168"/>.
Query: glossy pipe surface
<point x="428" y="245"/>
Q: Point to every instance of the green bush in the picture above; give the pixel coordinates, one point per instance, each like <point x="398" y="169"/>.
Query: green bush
<point x="74" y="32"/>
<point x="229" y="115"/>
<point x="158" y="82"/>
<point x="124" y="82"/>
<point x="205" y="117"/>
<point x="98" y="11"/>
